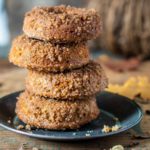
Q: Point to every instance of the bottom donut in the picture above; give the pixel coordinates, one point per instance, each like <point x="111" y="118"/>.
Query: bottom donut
<point x="53" y="114"/>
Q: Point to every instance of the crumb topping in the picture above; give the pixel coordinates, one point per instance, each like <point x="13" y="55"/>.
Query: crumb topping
<point x="62" y="23"/>
<point x="49" y="113"/>
<point x="46" y="56"/>
<point x="73" y="84"/>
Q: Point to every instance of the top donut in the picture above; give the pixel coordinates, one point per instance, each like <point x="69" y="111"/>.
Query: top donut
<point x="62" y="24"/>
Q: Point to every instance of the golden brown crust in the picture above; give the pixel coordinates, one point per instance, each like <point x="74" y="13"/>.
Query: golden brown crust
<point x="46" y="56"/>
<point x="74" y="84"/>
<point x="62" y="24"/>
<point x="54" y="114"/>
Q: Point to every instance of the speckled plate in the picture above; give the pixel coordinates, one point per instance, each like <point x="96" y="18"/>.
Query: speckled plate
<point x="112" y="106"/>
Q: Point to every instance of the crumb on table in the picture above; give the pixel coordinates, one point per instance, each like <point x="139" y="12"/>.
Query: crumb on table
<point x="117" y="147"/>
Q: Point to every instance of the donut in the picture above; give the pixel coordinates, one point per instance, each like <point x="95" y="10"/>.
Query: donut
<point x="62" y="24"/>
<point x="49" y="57"/>
<point x="53" y="114"/>
<point x="74" y="84"/>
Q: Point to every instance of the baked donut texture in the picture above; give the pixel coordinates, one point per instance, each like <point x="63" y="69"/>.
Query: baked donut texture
<point x="62" y="24"/>
<point x="74" y="84"/>
<point x="46" y="56"/>
<point x="55" y="114"/>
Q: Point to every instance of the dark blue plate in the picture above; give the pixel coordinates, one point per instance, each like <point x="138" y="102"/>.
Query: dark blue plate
<point x="112" y="106"/>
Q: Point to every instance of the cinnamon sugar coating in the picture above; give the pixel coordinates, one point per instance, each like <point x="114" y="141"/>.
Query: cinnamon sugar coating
<point x="62" y="24"/>
<point x="74" y="84"/>
<point x="54" y="114"/>
<point x="46" y="56"/>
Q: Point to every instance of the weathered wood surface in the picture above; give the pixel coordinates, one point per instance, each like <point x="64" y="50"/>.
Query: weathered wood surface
<point x="12" y="79"/>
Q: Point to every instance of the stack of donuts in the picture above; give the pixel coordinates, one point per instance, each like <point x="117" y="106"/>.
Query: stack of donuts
<point x="62" y="81"/>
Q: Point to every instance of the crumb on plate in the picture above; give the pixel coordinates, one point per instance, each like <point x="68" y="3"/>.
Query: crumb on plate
<point x="107" y="129"/>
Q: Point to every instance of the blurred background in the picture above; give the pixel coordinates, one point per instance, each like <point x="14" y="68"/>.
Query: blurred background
<point x="126" y="24"/>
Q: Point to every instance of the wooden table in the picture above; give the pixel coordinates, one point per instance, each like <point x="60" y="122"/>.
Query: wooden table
<point x="12" y="79"/>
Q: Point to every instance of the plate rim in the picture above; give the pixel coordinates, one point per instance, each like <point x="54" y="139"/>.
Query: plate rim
<point x="65" y="138"/>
